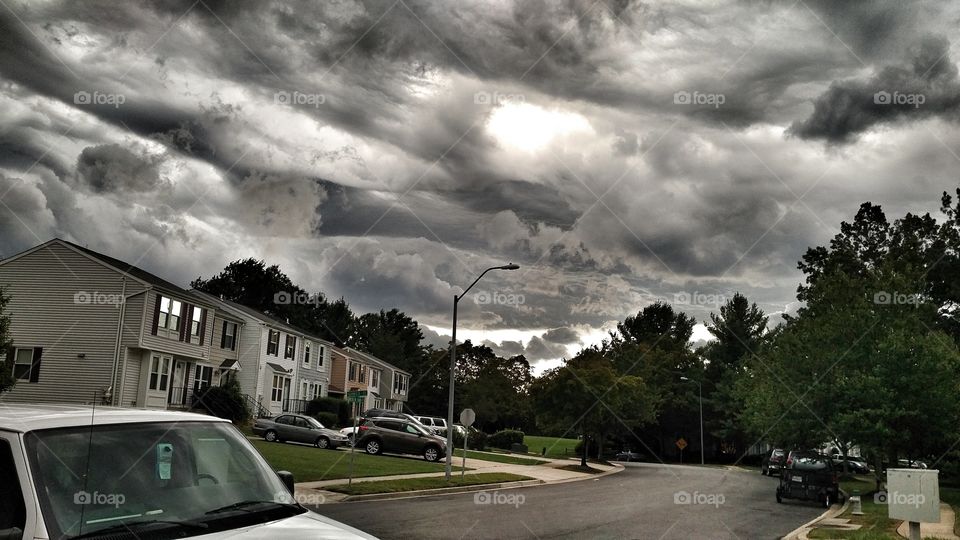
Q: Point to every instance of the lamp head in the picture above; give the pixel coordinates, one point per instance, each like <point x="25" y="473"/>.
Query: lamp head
<point x="510" y="266"/>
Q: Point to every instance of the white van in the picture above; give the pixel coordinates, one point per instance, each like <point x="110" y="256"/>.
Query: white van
<point x="79" y="472"/>
<point x="433" y="423"/>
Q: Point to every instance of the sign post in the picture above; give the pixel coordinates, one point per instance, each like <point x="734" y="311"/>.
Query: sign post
<point x="357" y="397"/>
<point x="467" y="418"/>
<point x="681" y="444"/>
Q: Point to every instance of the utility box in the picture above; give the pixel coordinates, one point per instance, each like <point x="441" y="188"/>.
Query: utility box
<point x="913" y="495"/>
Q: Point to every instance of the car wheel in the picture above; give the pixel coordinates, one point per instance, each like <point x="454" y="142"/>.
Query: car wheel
<point x="373" y="447"/>
<point x="270" y="436"/>
<point x="322" y="442"/>
<point x="431" y="453"/>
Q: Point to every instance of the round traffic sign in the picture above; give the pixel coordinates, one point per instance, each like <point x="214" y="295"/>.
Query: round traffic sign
<point x="467" y="417"/>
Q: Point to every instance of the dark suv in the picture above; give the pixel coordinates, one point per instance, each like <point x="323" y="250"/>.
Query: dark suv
<point x="400" y="436"/>
<point x="773" y="462"/>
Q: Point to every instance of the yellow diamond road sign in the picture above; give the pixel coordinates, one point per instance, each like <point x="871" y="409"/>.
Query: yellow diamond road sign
<point x="681" y="443"/>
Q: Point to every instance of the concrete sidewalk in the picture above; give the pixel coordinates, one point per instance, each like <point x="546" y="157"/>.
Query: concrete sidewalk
<point x="944" y="529"/>
<point x="549" y="473"/>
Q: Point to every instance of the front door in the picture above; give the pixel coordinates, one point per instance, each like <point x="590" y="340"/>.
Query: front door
<point x="178" y="389"/>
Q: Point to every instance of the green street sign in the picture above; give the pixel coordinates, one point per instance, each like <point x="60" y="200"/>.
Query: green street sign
<point x="356" y="395"/>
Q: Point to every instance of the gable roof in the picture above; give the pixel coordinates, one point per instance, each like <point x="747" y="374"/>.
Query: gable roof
<point x="374" y="359"/>
<point x="258" y="315"/>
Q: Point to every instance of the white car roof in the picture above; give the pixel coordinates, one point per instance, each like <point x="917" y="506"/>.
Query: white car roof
<point x="30" y="417"/>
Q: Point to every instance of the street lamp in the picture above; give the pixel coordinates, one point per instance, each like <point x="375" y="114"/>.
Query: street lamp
<point x="700" y="391"/>
<point x="453" y="362"/>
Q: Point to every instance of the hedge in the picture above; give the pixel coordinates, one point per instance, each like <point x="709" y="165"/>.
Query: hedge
<point x="328" y="419"/>
<point x="338" y="407"/>
<point x="505" y="439"/>
<point x="476" y="441"/>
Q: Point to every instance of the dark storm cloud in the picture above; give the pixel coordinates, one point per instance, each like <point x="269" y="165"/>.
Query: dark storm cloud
<point x="562" y="336"/>
<point x="927" y="86"/>
<point x="113" y="168"/>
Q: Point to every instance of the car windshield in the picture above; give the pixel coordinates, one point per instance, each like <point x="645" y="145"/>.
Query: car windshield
<point x="809" y="462"/>
<point x="95" y="478"/>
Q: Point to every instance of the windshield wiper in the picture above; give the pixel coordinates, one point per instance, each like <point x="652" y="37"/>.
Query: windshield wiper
<point x="138" y="525"/>
<point x="242" y="505"/>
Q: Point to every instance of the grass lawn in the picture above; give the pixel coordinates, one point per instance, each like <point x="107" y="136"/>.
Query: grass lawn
<point x="874" y="522"/>
<point x="412" y="484"/>
<point x="499" y="458"/>
<point x="556" y="447"/>
<point x="309" y="464"/>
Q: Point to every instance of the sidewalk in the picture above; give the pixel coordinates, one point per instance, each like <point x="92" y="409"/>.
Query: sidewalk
<point x="549" y="473"/>
<point x="944" y="529"/>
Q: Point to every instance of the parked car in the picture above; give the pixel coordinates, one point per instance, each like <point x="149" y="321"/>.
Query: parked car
<point x="809" y="476"/>
<point x="183" y="475"/>
<point x="773" y="462"/>
<point x="629" y="455"/>
<point x="433" y="423"/>
<point x="911" y="464"/>
<point x="854" y="465"/>
<point x="400" y="436"/>
<point x="298" y="428"/>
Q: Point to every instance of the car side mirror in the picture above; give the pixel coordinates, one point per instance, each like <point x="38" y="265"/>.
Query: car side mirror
<point x="15" y="533"/>
<point x="287" y="478"/>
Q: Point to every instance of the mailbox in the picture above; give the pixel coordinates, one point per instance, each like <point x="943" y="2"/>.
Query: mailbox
<point x="913" y="495"/>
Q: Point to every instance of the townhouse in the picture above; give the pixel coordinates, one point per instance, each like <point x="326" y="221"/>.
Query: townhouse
<point x="287" y="366"/>
<point x="88" y="328"/>
<point x="385" y="384"/>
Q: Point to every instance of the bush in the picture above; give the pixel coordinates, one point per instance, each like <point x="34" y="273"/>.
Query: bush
<point x="328" y="419"/>
<point x="505" y="439"/>
<point x="338" y="407"/>
<point x="223" y="402"/>
<point x="476" y="441"/>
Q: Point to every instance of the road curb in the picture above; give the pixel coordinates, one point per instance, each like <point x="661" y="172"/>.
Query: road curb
<point x="469" y="489"/>
<point x="439" y="491"/>
<point x="800" y="533"/>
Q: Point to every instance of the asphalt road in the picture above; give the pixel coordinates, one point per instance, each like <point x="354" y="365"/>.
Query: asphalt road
<point x="711" y="503"/>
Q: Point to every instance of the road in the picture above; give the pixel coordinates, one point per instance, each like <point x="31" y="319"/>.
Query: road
<point x="636" y="503"/>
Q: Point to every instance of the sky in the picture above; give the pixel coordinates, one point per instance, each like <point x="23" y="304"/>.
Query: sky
<point x="389" y="151"/>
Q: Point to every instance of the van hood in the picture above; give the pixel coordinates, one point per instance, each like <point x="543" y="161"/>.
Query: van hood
<point x="306" y="525"/>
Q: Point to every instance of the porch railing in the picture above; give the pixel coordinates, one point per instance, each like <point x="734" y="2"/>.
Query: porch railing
<point x="296" y="406"/>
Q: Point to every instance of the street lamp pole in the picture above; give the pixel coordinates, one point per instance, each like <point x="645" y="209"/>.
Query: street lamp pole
<point x="699" y="391"/>
<point x="453" y="362"/>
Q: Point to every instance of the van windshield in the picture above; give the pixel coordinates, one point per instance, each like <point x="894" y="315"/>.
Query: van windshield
<point x="188" y="475"/>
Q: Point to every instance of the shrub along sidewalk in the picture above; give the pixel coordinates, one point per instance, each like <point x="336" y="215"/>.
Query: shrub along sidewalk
<point x="432" y="482"/>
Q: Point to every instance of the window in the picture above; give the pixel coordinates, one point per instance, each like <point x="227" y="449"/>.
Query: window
<point x="197" y="319"/>
<point x="290" y="347"/>
<point x="273" y="342"/>
<point x="276" y="393"/>
<point x="13" y="512"/>
<point x="362" y="373"/>
<point x="375" y="378"/>
<point x="26" y="364"/>
<point x="399" y="384"/>
<point x="169" y="314"/>
<point x="228" y="338"/>
<point x="306" y="352"/>
<point x="202" y="377"/>
<point x="160" y="373"/>
<point x="377" y="403"/>
<point x="305" y="390"/>
<point x="320" y="358"/>
<point x="353" y="371"/>
<point x="317" y="391"/>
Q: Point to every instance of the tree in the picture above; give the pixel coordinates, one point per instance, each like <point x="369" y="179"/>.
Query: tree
<point x="658" y="325"/>
<point x="390" y="335"/>
<point x="6" y="366"/>
<point x="587" y="394"/>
